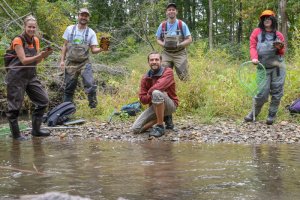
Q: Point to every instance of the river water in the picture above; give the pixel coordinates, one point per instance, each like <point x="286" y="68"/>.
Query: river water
<point x="148" y="170"/>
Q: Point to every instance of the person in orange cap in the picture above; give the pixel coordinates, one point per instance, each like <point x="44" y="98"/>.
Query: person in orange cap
<point x="267" y="48"/>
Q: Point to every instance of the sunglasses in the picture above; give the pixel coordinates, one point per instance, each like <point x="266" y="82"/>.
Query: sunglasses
<point x="267" y="18"/>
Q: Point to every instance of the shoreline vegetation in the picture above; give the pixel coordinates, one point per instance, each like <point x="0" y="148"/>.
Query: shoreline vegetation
<point x="212" y="93"/>
<point x="219" y="48"/>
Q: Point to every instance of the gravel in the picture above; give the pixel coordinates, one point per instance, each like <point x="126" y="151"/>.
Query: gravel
<point x="228" y="131"/>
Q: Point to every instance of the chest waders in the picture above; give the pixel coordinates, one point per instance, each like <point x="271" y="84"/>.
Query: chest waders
<point x="275" y="77"/>
<point x="173" y="55"/>
<point x="172" y="41"/>
<point x="78" y="63"/>
<point x="171" y="46"/>
<point x="18" y="81"/>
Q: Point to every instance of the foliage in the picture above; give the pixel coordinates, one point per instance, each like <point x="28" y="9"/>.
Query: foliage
<point x="213" y="90"/>
<point x="51" y="19"/>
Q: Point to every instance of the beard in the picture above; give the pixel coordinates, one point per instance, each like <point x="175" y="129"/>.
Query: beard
<point x="155" y="68"/>
<point x="83" y="22"/>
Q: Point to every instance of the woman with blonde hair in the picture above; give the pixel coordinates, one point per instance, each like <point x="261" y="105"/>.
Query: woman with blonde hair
<point x="21" y="77"/>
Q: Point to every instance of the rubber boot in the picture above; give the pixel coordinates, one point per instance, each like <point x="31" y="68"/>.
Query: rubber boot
<point x="15" y="131"/>
<point x="168" y="119"/>
<point x="274" y="105"/>
<point x="92" y="97"/>
<point x="68" y="97"/>
<point x="36" y="127"/>
<point x="271" y="118"/>
<point x="249" y="117"/>
<point x="71" y="84"/>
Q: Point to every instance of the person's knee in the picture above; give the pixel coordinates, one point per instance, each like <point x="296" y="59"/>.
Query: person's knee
<point x="157" y="97"/>
<point x="277" y="92"/>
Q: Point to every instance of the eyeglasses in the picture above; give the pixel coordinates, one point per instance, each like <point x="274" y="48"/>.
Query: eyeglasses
<point x="267" y="18"/>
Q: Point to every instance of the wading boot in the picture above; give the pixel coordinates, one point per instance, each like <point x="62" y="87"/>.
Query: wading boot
<point x="15" y="131"/>
<point x="271" y="118"/>
<point x="249" y="117"/>
<point x="92" y="100"/>
<point x="157" y="131"/>
<point x="68" y="97"/>
<point x="36" y="127"/>
<point x="169" y="122"/>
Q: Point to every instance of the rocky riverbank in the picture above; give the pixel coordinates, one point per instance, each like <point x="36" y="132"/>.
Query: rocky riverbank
<point x="228" y="131"/>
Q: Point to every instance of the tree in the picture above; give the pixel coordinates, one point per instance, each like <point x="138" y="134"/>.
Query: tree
<point x="283" y="24"/>
<point x="210" y="25"/>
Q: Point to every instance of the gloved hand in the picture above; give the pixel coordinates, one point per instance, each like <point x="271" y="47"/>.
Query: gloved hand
<point x="278" y="45"/>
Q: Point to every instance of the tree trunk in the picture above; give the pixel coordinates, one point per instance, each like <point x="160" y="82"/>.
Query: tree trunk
<point x="240" y="24"/>
<point x="210" y="29"/>
<point x="283" y="28"/>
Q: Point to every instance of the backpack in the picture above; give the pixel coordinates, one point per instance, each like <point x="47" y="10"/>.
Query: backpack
<point x="294" y="108"/>
<point x="10" y="55"/>
<point x="132" y="109"/>
<point x="164" y="28"/>
<point x="59" y="114"/>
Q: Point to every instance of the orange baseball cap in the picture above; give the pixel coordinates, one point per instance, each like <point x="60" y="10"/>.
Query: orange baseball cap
<point x="267" y="13"/>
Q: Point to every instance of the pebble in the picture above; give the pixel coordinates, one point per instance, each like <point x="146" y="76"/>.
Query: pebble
<point x="186" y="131"/>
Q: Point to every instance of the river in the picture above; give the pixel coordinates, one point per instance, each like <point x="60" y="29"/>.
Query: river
<point x="111" y="170"/>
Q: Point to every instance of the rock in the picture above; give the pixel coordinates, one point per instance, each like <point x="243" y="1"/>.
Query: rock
<point x="223" y="131"/>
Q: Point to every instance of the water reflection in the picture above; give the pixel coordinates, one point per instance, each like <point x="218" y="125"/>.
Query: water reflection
<point x="25" y="163"/>
<point x="160" y="171"/>
<point x="39" y="156"/>
<point x="269" y="171"/>
<point x="150" y="170"/>
<point x="15" y="154"/>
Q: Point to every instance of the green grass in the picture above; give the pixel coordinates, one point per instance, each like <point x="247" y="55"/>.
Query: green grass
<point x="213" y="91"/>
<point x="4" y="128"/>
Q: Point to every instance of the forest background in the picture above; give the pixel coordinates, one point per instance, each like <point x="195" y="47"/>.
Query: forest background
<point x="220" y="31"/>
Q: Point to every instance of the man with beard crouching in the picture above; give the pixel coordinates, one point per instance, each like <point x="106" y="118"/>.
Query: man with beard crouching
<point x="157" y="89"/>
<point x="79" y="39"/>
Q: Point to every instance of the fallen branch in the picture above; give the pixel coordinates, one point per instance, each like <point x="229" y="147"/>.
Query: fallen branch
<point x="55" y="127"/>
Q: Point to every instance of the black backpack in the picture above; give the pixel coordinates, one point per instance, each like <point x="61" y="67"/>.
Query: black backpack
<point x="59" y="114"/>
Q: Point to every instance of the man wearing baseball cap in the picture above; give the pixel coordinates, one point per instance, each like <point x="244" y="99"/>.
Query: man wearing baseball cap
<point x="84" y="10"/>
<point x="174" y="36"/>
<point x="79" y="39"/>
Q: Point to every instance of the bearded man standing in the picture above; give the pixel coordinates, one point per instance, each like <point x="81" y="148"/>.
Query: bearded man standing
<point x="79" y="39"/>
